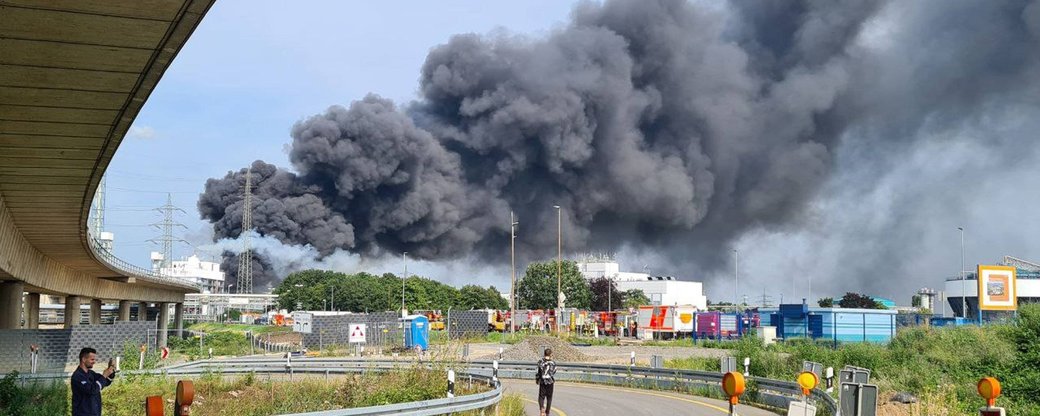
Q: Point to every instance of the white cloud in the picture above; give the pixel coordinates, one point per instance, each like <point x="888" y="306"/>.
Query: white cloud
<point x="141" y="133"/>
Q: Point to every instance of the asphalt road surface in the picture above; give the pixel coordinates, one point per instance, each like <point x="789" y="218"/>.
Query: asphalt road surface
<point x="576" y="399"/>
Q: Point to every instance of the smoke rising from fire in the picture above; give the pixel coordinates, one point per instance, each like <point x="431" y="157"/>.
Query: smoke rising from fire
<point x="663" y="125"/>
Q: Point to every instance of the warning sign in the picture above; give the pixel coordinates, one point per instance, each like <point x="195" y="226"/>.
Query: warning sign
<point x="357" y="333"/>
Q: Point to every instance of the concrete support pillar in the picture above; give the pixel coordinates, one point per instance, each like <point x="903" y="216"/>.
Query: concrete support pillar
<point x="142" y="311"/>
<point x="164" y="322"/>
<point x="71" y="311"/>
<point x="11" y="304"/>
<point x="124" y="311"/>
<point x="178" y="319"/>
<point x="95" y="311"/>
<point x="32" y="311"/>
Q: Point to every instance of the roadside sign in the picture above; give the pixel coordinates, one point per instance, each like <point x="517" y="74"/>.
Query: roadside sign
<point x="302" y="322"/>
<point x="357" y="333"/>
<point x="813" y="367"/>
<point x="165" y="353"/>
<point x="856" y="375"/>
<point x="728" y="364"/>
<point x="858" y="399"/>
<point x="801" y="409"/>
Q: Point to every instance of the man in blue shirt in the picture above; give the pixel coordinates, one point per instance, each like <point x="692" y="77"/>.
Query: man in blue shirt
<point x="86" y="384"/>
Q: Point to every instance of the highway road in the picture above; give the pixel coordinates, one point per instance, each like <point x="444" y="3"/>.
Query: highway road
<point x="577" y="399"/>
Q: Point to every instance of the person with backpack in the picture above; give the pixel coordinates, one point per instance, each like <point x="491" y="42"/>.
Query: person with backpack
<point x="545" y="378"/>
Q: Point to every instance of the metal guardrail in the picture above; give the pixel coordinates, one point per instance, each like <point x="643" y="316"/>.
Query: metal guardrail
<point x="591" y="373"/>
<point x="305" y="366"/>
<point x="118" y="264"/>
<point x="779" y="390"/>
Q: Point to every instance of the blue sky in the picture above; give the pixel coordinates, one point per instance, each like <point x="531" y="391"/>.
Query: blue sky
<point x="253" y="68"/>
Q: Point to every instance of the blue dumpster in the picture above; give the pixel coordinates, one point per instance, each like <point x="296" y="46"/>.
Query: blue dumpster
<point x="416" y="331"/>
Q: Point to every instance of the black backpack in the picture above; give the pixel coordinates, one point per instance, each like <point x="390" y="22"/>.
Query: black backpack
<point x="546" y="372"/>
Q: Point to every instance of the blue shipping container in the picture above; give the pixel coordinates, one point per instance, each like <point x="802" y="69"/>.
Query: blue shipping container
<point x="837" y="324"/>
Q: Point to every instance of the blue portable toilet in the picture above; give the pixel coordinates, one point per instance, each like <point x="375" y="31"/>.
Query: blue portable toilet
<point x="416" y="331"/>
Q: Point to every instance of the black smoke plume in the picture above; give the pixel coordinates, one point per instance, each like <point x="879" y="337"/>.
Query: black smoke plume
<point x="654" y="124"/>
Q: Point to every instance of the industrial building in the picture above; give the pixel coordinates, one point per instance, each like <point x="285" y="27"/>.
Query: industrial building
<point x="205" y="274"/>
<point x="661" y="290"/>
<point x="834" y="324"/>
<point x="206" y="307"/>
<point x="965" y="292"/>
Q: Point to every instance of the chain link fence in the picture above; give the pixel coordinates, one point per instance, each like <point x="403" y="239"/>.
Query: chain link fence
<point x="467" y="324"/>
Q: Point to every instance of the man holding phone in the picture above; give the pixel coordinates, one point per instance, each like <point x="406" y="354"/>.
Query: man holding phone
<point x="87" y="385"/>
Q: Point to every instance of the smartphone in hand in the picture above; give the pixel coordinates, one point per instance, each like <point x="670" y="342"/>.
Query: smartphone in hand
<point x="113" y="364"/>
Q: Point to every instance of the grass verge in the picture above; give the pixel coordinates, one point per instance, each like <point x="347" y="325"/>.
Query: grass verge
<point x="940" y="366"/>
<point x="247" y="395"/>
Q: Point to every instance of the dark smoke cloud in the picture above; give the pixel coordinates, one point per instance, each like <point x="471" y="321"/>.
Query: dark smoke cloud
<point x="263" y="274"/>
<point x="657" y="124"/>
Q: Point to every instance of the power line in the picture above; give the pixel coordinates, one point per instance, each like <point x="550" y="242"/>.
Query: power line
<point x="138" y="175"/>
<point x="146" y="191"/>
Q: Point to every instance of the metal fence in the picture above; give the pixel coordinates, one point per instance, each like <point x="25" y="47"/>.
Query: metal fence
<point x="382" y="330"/>
<point x="467" y="324"/>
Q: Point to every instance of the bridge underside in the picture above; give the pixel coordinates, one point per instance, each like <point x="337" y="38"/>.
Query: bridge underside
<point x="73" y="76"/>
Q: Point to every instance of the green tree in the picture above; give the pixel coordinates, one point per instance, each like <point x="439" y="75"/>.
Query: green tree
<point x="537" y="289"/>
<point x="364" y="292"/>
<point x="476" y="297"/>
<point x="601" y="288"/>
<point x="305" y="289"/>
<point x="826" y="302"/>
<point x="633" y="298"/>
<point x="856" y="300"/>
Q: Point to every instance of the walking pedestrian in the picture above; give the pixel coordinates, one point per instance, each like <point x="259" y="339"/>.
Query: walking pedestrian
<point x="87" y="385"/>
<point x="545" y="378"/>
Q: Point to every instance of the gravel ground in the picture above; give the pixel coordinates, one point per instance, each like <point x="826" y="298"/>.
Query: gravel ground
<point x="531" y="349"/>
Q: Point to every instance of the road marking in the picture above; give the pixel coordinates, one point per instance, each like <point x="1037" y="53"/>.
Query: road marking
<point x="708" y="405"/>
<point x="557" y="411"/>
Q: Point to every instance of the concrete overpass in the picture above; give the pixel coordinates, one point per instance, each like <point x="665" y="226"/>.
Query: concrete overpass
<point x="73" y="76"/>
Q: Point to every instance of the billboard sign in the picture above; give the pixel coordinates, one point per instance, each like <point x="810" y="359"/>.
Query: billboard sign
<point x="997" y="289"/>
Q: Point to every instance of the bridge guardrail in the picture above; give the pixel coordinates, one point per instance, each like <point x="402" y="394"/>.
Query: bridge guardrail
<point x="116" y="263"/>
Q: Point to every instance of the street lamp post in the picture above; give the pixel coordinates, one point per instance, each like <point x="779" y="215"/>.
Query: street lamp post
<point x="228" y="291"/>
<point x="403" y="280"/>
<point x="299" y="304"/>
<point x="512" y="285"/>
<point x="964" y="294"/>
<point x="559" y="265"/>
<point x="332" y="302"/>
<point x="736" y="279"/>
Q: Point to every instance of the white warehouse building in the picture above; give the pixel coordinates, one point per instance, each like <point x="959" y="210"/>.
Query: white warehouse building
<point x="206" y="274"/>
<point x="662" y="290"/>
